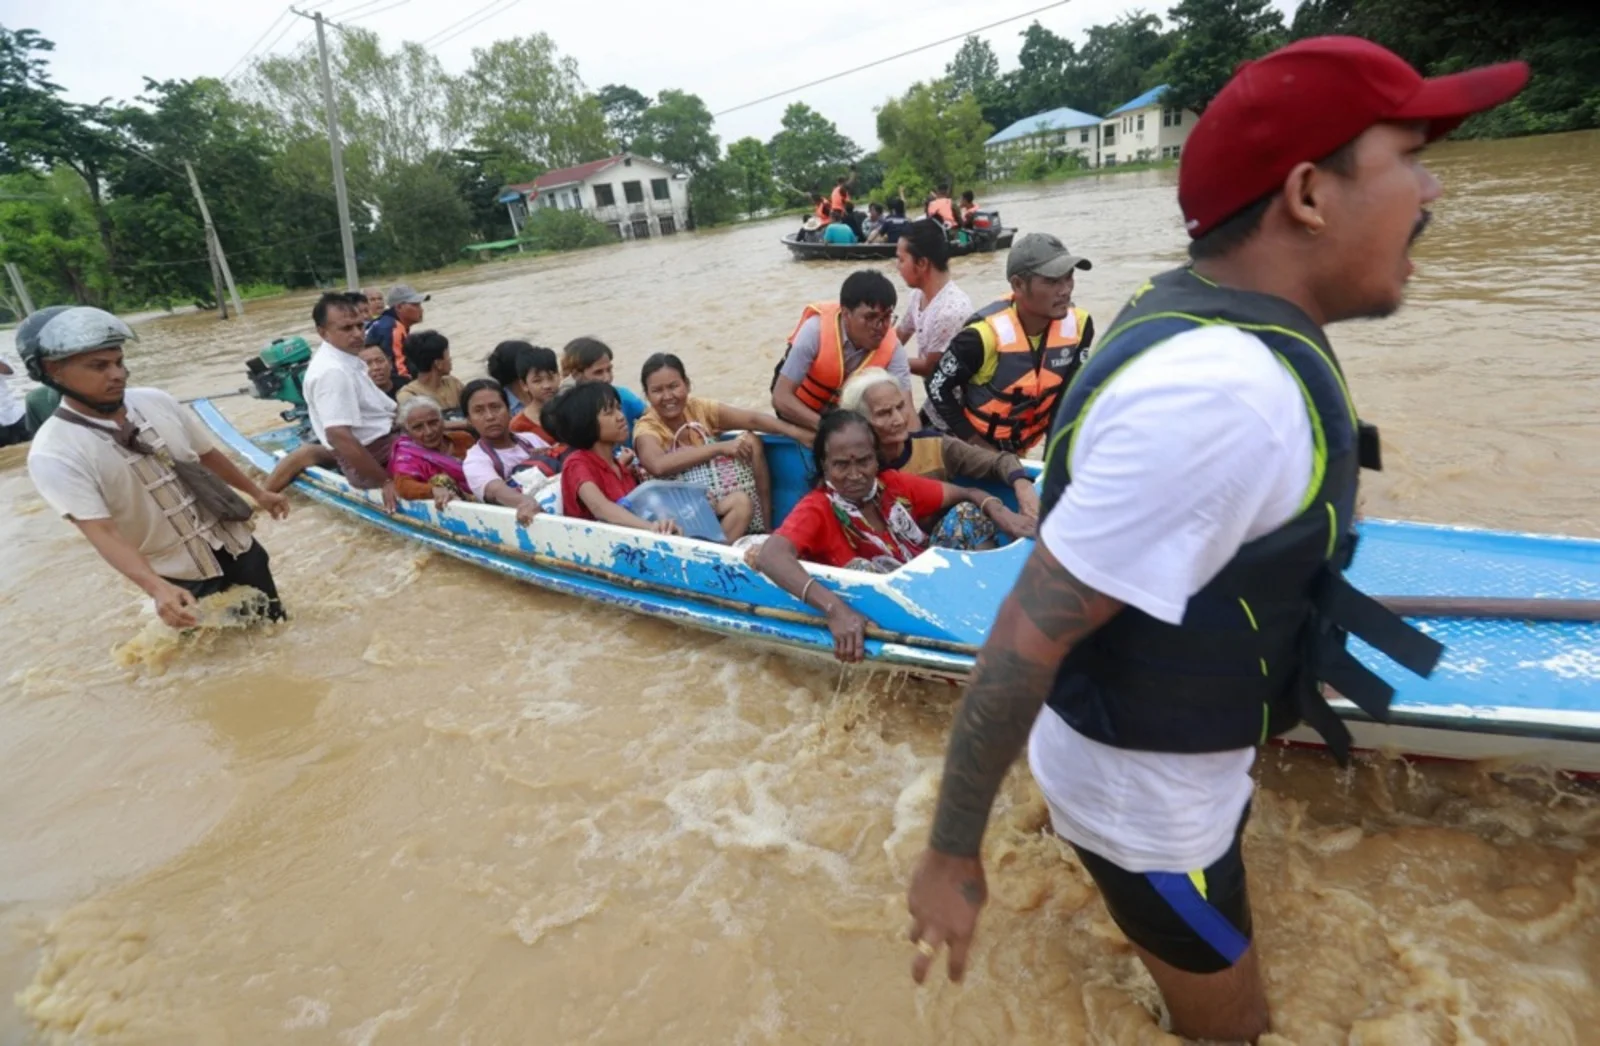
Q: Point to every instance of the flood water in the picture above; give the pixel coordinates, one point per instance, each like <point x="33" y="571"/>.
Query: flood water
<point x="440" y="806"/>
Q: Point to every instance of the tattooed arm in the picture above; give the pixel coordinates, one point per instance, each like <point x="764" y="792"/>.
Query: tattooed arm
<point x="1047" y="612"/>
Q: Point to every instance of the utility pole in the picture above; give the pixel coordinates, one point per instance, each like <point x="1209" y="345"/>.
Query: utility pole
<point x="351" y="276"/>
<point x="21" y="288"/>
<point x="220" y="273"/>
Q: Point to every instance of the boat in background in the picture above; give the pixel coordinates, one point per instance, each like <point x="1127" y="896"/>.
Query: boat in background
<point x="1518" y="691"/>
<point x="988" y="236"/>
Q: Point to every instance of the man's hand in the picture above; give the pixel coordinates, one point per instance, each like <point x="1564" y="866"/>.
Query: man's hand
<point x="946" y="895"/>
<point x="275" y="505"/>
<point x="174" y="603"/>
<point x="391" y="499"/>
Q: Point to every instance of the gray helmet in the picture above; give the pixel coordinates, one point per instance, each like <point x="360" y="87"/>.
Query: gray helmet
<point x="67" y="330"/>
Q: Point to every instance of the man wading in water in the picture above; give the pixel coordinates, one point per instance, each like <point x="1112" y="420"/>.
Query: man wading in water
<point x="1186" y="594"/>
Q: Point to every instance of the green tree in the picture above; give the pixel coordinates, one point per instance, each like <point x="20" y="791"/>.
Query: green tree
<point x="974" y="70"/>
<point x="1213" y="37"/>
<point x="47" y="228"/>
<point x="552" y="229"/>
<point x="809" y="154"/>
<point x="716" y="196"/>
<point x="1119" y="61"/>
<point x="677" y="131"/>
<point x="423" y="221"/>
<point x="624" y="109"/>
<point x="1043" y="78"/>
<point x="530" y="103"/>
<point x="753" y="180"/>
<point x="938" y="136"/>
<point x="40" y="130"/>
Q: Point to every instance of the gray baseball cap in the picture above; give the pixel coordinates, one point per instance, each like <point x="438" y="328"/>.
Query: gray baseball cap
<point x="1040" y="254"/>
<point x="405" y="294"/>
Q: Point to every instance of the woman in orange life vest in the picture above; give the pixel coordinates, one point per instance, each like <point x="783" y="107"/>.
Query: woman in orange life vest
<point x="835" y="340"/>
<point x="941" y="208"/>
<point x="998" y="383"/>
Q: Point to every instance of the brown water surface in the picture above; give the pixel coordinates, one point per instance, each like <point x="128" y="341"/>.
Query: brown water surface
<point x="443" y="807"/>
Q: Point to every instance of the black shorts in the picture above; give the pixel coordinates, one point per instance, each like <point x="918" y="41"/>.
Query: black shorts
<point x="1197" y="921"/>
<point x="250" y="568"/>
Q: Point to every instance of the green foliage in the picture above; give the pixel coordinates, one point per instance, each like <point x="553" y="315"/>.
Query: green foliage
<point x="716" y="196"/>
<point x="552" y="229"/>
<point x="936" y="135"/>
<point x="809" y="154"/>
<point x="1035" y="167"/>
<point x="975" y="70"/>
<point x="528" y="101"/>
<point x="1561" y="45"/>
<point x="751" y="168"/>
<point x="47" y="228"/>
<point x="1214" y="36"/>
<point x="624" y="110"/>
<point x="424" y="221"/>
<point x="677" y="131"/>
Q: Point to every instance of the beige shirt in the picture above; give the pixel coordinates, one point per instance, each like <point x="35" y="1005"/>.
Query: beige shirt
<point x="448" y="397"/>
<point x="84" y="476"/>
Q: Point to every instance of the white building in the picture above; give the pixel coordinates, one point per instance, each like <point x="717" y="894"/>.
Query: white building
<point x="1056" y="133"/>
<point x="637" y="197"/>
<point x="1144" y="130"/>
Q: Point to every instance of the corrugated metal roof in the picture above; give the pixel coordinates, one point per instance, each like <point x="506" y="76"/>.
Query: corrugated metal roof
<point x="564" y="176"/>
<point x="1062" y="119"/>
<point x="1144" y="101"/>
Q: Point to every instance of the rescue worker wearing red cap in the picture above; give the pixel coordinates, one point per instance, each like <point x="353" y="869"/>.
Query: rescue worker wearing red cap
<point x="1186" y="598"/>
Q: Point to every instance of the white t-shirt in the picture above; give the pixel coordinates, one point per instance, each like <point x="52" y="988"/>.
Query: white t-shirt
<point x="480" y="469"/>
<point x="85" y="477"/>
<point x="340" y="392"/>
<point x="1201" y="444"/>
<point x="934" y="323"/>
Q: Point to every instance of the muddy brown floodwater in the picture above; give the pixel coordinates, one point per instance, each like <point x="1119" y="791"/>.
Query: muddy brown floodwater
<point x="443" y="807"/>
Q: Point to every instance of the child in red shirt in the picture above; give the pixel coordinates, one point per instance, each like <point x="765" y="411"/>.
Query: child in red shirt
<point x="588" y="418"/>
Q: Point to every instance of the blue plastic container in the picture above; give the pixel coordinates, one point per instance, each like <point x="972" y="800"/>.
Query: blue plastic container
<point x="686" y="504"/>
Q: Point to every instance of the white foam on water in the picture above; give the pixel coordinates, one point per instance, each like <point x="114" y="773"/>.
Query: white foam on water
<point x="531" y="927"/>
<point x="309" y="1013"/>
<point x="1580" y="663"/>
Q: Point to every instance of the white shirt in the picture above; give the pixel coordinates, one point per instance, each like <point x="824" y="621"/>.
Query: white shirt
<point x="85" y="477"/>
<point x="1201" y="444"/>
<point x="480" y="470"/>
<point x="11" y="408"/>
<point x="340" y="392"/>
<point x="934" y="323"/>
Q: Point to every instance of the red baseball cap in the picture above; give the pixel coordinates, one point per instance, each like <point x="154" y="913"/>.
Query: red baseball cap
<point x="1302" y="103"/>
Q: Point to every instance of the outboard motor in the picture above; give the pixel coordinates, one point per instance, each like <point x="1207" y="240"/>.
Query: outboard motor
<point x="279" y="372"/>
<point x="985" y="228"/>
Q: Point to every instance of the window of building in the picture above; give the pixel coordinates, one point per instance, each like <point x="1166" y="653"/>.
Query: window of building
<point x="615" y="227"/>
<point x="577" y="200"/>
<point x="1110" y="160"/>
<point x="659" y="189"/>
<point x="604" y="197"/>
<point x="633" y="192"/>
<point x="1083" y="136"/>
<point x="641" y="226"/>
<point x="547" y="200"/>
<point x="1140" y="127"/>
<point x="1110" y="136"/>
<point x="668" y="226"/>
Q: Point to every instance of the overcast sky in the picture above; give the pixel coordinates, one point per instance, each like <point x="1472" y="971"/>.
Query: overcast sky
<point x="729" y="52"/>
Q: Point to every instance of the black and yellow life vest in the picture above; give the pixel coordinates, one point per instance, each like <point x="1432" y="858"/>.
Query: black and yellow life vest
<point x="1012" y="410"/>
<point x="1258" y="641"/>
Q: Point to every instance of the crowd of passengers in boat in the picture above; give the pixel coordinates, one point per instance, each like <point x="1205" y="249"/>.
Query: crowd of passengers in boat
<point x="558" y="432"/>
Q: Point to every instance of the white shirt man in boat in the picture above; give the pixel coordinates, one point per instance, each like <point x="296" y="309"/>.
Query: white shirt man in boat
<point x="1186" y="594"/>
<point x="104" y="461"/>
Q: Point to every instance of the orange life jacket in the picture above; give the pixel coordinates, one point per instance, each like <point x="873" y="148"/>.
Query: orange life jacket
<point x="841" y="198"/>
<point x="820" y="388"/>
<point x="823" y="214"/>
<point x="941" y="209"/>
<point x="1015" y="408"/>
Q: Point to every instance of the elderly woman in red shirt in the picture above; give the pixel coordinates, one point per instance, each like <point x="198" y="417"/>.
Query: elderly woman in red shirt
<point x="861" y="518"/>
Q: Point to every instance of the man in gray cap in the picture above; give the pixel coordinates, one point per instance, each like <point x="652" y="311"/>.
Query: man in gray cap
<point x="121" y="464"/>
<point x="389" y="330"/>
<point x="998" y="382"/>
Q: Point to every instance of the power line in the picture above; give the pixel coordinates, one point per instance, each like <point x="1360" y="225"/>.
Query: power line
<point x="890" y="58"/>
<point x="481" y="21"/>
<point x="246" y="56"/>
<point x="352" y="16"/>
<point x="447" y="30"/>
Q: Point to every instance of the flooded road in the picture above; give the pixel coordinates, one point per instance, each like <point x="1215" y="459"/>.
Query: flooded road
<point x="439" y="806"/>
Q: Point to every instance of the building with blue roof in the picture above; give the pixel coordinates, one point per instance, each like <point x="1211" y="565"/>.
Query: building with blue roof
<point x="1140" y="129"/>
<point x="1057" y="132"/>
<point x="1145" y="128"/>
